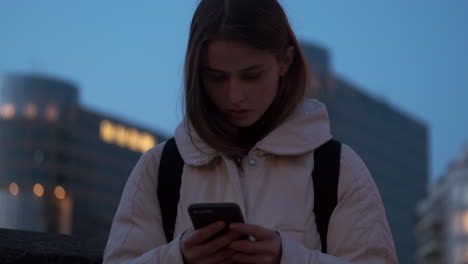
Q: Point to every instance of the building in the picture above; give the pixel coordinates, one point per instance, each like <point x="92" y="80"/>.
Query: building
<point x="442" y="226"/>
<point x="62" y="166"/>
<point x="393" y="145"/>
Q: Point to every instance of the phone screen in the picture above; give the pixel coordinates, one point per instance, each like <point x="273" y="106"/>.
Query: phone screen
<point x="203" y="214"/>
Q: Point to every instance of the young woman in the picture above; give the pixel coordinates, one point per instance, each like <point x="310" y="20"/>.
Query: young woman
<point x="249" y="137"/>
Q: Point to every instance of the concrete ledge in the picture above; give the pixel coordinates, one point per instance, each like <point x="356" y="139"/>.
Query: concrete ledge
<point x="33" y="247"/>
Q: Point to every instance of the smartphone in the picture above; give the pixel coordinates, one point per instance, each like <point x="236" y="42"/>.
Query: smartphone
<point x="203" y="214"/>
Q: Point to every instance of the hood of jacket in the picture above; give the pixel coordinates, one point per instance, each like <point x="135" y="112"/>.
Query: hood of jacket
<point x="307" y="128"/>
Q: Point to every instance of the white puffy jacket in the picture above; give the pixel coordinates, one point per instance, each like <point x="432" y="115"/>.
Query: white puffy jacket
<point x="274" y="190"/>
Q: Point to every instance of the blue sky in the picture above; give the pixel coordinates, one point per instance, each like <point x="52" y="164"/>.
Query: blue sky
<point x="127" y="56"/>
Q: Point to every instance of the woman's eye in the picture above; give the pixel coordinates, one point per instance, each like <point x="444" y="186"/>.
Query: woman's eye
<point x="216" y="77"/>
<point x="253" y="76"/>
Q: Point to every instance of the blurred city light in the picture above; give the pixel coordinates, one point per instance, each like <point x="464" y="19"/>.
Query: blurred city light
<point x="133" y="142"/>
<point x="463" y="223"/>
<point x="14" y="188"/>
<point x="38" y="190"/>
<point x="125" y="137"/>
<point x="107" y="131"/>
<point x="147" y="143"/>
<point x="59" y="192"/>
<point x="30" y="111"/>
<point x="7" y="111"/>
<point x="121" y="135"/>
<point x="51" y="113"/>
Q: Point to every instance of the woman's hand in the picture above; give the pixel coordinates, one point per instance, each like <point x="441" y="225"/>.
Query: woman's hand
<point x="266" y="248"/>
<point x="197" y="247"/>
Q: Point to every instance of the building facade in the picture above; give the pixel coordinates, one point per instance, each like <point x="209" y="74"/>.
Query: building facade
<point x="393" y="145"/>
<point x="62" y="166"/>
<point x="442" y="226"/>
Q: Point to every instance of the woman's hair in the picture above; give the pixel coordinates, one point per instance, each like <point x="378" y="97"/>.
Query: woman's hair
<point x="262" y="24"/>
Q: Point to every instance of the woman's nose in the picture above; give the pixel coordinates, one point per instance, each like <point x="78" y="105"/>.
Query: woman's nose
<point x="236" y="91"/>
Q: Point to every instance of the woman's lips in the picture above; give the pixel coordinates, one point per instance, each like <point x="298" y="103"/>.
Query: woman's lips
<point x="237" y="112"/>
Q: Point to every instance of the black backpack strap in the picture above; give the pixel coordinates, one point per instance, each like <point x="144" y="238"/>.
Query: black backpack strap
<point x="171" y="166"/>
<point x="325" y="177"/>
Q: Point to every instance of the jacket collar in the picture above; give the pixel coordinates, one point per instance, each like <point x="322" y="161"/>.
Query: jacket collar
<point x="305" y="130"/>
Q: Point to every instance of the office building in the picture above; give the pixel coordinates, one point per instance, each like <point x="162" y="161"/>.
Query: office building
<point x="393" y="144"/>
<point x="442" y="226"/>
<point x="62" y="166"/>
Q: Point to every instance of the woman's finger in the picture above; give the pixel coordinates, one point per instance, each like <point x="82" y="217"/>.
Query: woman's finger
<point x="203" y="234"/>
<point x="258" y="232"/>
<point x="221" y="242"/>
<point x="250" y="247"/>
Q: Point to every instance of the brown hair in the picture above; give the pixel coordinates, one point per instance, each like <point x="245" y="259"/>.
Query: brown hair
<point x="261" y="24"/>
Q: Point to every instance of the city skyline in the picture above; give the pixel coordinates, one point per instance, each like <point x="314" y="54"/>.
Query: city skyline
<point x="127" y="58"/>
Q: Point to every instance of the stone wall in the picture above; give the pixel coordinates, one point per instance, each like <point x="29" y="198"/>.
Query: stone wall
<point x="32" y="247"/>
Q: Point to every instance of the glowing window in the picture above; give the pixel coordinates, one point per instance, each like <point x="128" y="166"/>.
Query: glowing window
<point x="14" y="189"/>
<point x="30" y="111"/>
<point x="125" y="137"/>
<point x="133" y="139"/>
<point x="59" y="192"/>
<point x="121" y="136"/>
<point x="51" y="113"/>
<point x="461" y="222"/>
<point x="147" y="142"/>
<point x="38" y="190"/>
<point x="465" y="222"/>
<point x="7" y="111"/>
<point x="107" y="131"/>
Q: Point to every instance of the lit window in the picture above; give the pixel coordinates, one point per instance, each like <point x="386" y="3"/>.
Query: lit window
<point x="121" y="135"/>
<point x="461" y="222"/>
<point x="125" y="137"/>
<point x="465" y="222"/>
<point x="38" y="190"/>
<point x="133" y="139"/>
<point x="14" y="188"/>
<point x="30" y="111"/>
<point x="51" y="113"/>
<point x="147" y="142"/>
<point x="107" y="131"/>
<point x="59" y="192"/>
<point x="7" y="111"/>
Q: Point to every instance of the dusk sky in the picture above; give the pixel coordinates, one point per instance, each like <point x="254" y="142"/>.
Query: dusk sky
<point x="127" y="56"/>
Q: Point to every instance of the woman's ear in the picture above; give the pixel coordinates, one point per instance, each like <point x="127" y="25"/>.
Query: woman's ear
<point x="287" y="60"/>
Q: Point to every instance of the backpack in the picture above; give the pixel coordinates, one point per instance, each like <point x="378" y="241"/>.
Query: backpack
<point x="325" y="177"/>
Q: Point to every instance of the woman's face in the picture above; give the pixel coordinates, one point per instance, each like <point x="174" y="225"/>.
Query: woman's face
<point x="240" y="80"/>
